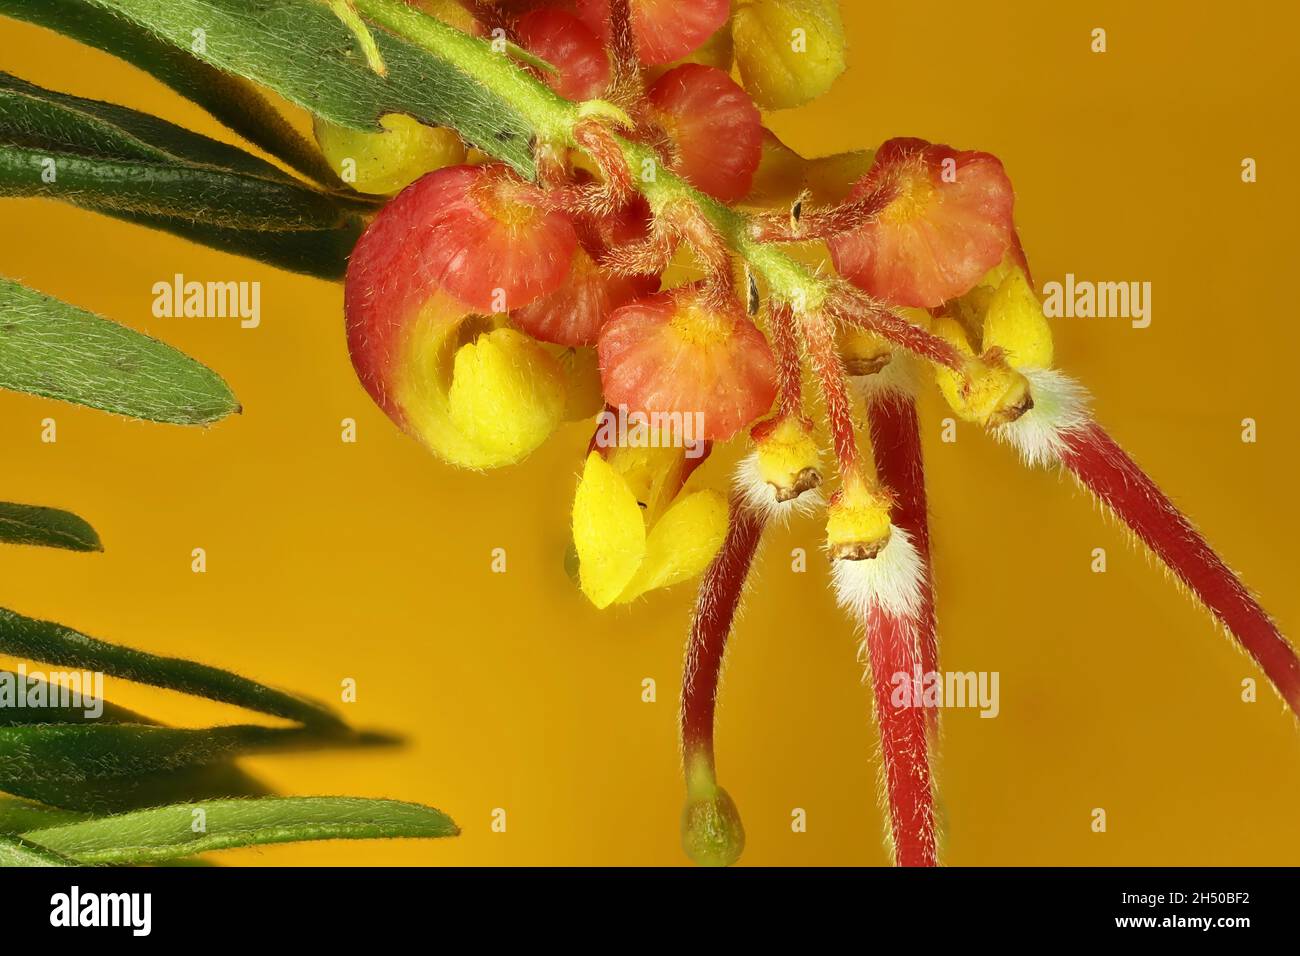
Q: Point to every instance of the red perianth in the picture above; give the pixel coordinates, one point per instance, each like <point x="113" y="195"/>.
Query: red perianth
<point x="896" y="438"/>
<point x="1106" y="470"/>
<point x="893" y="648"/>
<point x="715" y="609"/>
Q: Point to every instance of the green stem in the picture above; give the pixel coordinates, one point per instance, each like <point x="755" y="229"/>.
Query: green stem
<point x="554" y="118"/>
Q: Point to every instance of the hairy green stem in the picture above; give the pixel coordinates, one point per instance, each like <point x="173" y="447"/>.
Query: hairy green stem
<point x="554" y="118"/>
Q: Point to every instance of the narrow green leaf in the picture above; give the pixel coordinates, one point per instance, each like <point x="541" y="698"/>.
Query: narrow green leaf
<point x="73" y="753"/>
<point x="47" y="527"/>
<point x="176" y="180"/>
<point x="17" y="852"/>
<point x="320" y="253"/>
<point x="231" y="99"/>
<point x="59" y="764"/>
<point x="58" y="351"/>
<point x="215" y="781"/>
<point x="38" y="118"/>
<point x="153" y="836"/>
<point x="29" y="698"/>
<point x="46" y="641"/>
<point x="18" y="815"/>
<point x="165" y="188"/>
<point x="302" y="51"/>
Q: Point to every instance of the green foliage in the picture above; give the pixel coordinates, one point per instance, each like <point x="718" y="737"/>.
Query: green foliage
<point x="50" y="348"/>
<point x="48" y="527"/>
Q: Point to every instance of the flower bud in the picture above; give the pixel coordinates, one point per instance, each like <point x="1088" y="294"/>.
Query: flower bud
<point x="948" y="223"/>
<point x="789" y="51"/>
<point x="386" y="162"/>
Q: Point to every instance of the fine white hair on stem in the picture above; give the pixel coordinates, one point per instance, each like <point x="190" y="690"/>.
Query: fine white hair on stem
<point x="1060" y="406"/>
<point x="760" y="497"/>
<point x="892" y="581"/>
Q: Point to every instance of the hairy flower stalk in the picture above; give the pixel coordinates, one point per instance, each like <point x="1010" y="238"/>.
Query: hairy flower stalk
<point x="896" y="441"/>
<point x="1061" y="430"/>
<point x="1101" y="466"/>
<point x="900" y="634"/>
<point x="712" y="833"/>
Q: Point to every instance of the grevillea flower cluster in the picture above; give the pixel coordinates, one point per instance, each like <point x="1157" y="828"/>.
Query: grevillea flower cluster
<point x="484" y="310"/>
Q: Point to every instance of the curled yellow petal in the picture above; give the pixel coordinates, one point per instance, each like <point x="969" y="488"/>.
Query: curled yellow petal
<point x="681" y="544"/>
<point x="608" y="532"/>
<point x="507" y="394"/>
<point x="482" y="400"/>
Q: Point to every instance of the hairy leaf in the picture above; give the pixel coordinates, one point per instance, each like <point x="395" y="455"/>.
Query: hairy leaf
<point x="26" y="698"/>
<point x="302" y="51"/>
<point x="48" y="527"/>
<point x="106" y="156"/>
<point x="53" y="643"/>
<point x="321" y="253"/>
<point x="214" y="781"/>
<point x="230" y="99"/>
<point x="165" y="833"/>
<point x="59" y="764"/>
<point x="18" y="852"/>
<point x="52" y="349"/>
<point x="180" y="190"/>
<point x="311" y="232"/>
<point x="18" y="815"/>
<point x="44" y="119"/>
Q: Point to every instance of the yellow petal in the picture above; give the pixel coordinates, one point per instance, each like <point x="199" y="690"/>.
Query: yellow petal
<point x="608" y="532"/>
<point x="482" y="404"/>
<point x="654" y="474"/>
<point x="1014" y="322"/>
<point x="949" y="381"/>
<point x="681" y="544"/>
<point x="507" y="394"/>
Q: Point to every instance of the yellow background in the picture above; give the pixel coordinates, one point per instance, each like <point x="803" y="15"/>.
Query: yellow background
<point x="372" y="561"/>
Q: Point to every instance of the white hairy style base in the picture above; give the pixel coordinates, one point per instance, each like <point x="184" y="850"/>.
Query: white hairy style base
<point x="891" y="581"/>
<point x="760" y="497"/>
<point x="1060" y="406"/>
<point x="901" y="376"/>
